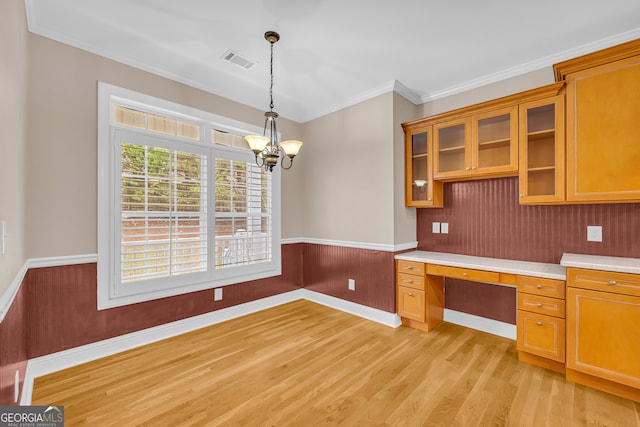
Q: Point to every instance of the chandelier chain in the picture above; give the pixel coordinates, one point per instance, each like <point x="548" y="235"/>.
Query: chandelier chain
<point x="271" y="87"/>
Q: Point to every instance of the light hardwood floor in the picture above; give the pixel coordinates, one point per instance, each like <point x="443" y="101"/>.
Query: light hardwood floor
<point x="305" y="364"/>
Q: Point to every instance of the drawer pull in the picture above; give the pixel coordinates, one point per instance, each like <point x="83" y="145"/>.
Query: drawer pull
<point x="539" y="323"/>
<point x="538" y="286"/>
<point x="409" y="281"/>
<point x="539" y="304"/>
<point x="409" y="267"/>
<point x="612" y="282"/>
<point x="410" y="294"/>
<point x="465" y="274"/>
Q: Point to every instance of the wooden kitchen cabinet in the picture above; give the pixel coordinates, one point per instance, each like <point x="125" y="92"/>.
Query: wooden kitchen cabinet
<point x="542" y="151"/>
<point x="482" y="145"/>
<point x="419" y="297"/>
<point x="541" y="322"/>
<point x="603" y="337"/>
<point x="603" y="142"/>
<point x="420" y="189"/>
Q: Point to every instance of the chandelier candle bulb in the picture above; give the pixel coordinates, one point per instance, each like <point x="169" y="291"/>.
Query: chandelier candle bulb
<point x="257" y="143"/>
<point x="291" y="147"/>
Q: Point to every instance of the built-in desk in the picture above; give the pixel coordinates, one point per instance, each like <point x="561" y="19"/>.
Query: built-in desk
<point x="602" y="310"/>
<point x="505" y="266"/>
<point x="541" y="297"/>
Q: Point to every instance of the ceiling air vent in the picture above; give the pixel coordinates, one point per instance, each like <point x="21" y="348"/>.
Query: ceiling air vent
<point x="239" y="60"/>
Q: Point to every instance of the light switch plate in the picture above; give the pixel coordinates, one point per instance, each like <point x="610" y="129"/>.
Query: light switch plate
<point x="3" y="237"/>
<point x="444" y="228"/>
<point x="594" y="233"/>
<point x="435" y="227"/>
<point x="352" y="284"/>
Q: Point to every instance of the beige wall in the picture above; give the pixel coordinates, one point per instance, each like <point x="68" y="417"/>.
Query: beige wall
<point x="404" y="224"/>
<point x="348" y="173"/>
<point x="62" y="152"/>
<point x="13" y="142"/>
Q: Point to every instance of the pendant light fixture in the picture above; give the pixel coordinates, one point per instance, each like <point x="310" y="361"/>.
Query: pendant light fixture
<point x="265" y="146"/>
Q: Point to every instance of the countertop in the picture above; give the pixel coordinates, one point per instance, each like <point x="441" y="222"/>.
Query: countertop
<point x="525" y="268"/>
<point x="606" y="263"/>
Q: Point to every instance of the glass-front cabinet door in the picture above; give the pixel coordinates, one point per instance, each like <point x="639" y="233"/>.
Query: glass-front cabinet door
<point x="452" y="154"/>
<point x="420" y="190"/>
<point x="542" y="154"/>
<point x="495" y="142"/>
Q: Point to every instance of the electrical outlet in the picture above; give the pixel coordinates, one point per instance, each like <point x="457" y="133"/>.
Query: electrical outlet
<point x="217" y="294"/>
<point x="352" y="285"/>
<point x="594" y="233"/>
<point x="435" y="227"/>
<point x="16" y="387"/>
<point x="444" y="228"/>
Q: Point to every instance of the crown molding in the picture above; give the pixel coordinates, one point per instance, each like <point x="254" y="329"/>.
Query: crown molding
<point x="547" y="61"/>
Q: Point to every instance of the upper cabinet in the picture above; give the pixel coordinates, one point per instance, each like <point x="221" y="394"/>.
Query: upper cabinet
<point x="542" y="151"/>
<point x="574" y="141"/>
<point x="603" y="125"/>
<point x="420" y="189"/>
<point x="482" y="145"/>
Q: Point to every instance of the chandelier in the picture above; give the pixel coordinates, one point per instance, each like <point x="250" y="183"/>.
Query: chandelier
<point x="265" y="146"/>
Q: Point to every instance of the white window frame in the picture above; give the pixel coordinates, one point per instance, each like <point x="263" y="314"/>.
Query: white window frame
<point x="112" y="293"/>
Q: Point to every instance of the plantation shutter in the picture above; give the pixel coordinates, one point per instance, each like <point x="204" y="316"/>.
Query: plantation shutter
<point x="243" y="212"/>
<point x="163" y="209"/>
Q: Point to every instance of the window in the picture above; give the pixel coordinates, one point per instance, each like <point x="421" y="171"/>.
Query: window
<point x="182" y="206"/>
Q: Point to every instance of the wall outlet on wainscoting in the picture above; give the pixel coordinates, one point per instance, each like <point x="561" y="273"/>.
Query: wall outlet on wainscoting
<point x="217" y="294"/>
<point x="435" y="227"/>
<point x="444" y="228"/>
<point x="352" y="285"/>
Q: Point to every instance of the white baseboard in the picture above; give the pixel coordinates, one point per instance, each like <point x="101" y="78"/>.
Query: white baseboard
<point x="483" y="324"/>
<point x="44" y="365"/>
<point x="373" y="314"/>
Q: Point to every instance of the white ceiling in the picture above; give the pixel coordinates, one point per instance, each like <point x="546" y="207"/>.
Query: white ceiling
<point x="334" y="53"/>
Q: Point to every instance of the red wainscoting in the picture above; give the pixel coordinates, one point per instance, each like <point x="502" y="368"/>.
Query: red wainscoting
<point x="327" y="270"/>
<point x="13" y="347"/>
<point x="63" y="309"/>
<point x="485" y="219"/>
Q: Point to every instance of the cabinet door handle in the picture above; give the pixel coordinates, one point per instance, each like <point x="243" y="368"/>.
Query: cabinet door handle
<point x="467" y="168"/>
<point x="612" y="282"/>
<point x="473" y="167"/>
<point x="521" y="194"/>
<point x="410" y="294"/>
<point x="539" y="323"/>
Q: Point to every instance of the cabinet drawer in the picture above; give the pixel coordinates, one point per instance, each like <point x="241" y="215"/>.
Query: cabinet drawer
<point x="617" y="283"/>
<point x="539" y="286"/>
<point x="411" y="304"/>
<point x="540" y="304"/>
<point x="411" y="267"/>
<point x="463" y="273"/>
<point x="541" y="335"/>
<point x="410" y="281"/>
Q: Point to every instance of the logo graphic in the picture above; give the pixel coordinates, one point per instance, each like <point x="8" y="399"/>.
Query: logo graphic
<point x="31" y="416"/>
